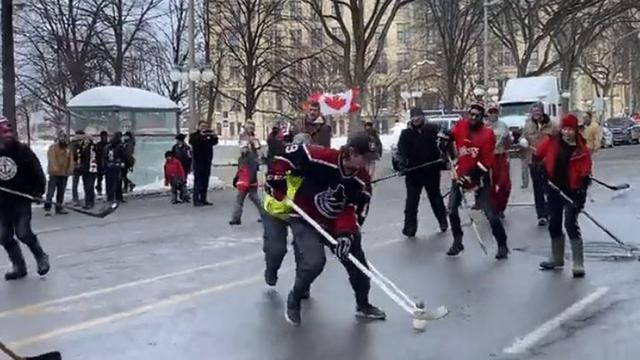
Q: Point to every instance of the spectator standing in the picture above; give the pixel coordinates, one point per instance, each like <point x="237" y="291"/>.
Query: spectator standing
<point x="60" y="166"/>
<point x="592" y="133"/>
<point x="77" y="174"/>
<point x="88" y="169"/>
<point x="202" y="142"/>
<point x="114" y="160"/>
<point x="175" y="176"/>
<point x="100" y="147"/>
<point x="129" y="143"/>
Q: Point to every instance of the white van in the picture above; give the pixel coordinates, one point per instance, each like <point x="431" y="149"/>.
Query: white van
<point x="520" y="93"/>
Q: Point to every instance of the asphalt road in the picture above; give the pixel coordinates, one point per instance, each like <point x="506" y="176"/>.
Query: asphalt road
<point x="160" y="281"/>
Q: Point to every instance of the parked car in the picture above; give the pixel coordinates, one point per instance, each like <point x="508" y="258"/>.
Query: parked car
<point x="624" y="130"/>
<point x="607" y="137"/>
<point x="445" y="122"/>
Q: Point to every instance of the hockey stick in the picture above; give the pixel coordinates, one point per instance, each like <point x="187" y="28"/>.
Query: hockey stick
<point x="611" y="187"/>
<point x="53" y="355"/>
<point x="416" y="309"/>
<point x="403" y="172"/>
<point x="473" y="222"/>
<point x="101" y="214"/>
<point x="572" y="203"/>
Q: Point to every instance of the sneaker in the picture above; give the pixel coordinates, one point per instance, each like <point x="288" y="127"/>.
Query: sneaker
<point x="542" y="222"/>
<point x="292" y="311"/>
<point x="270" y="277"/>
<point x="235" y="222"/>
<point x="369" y="311"/>
<point x="15" y="274"/>
<point x="173" y="202"/>
<point x="551" y="265"/>
<point x="197" y="204"/>
<point x="62" y="212"/>
<point x="503" y="253"/>
<point x="455" y="249"/>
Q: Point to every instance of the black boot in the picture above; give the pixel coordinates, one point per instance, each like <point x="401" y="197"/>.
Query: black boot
<point x="19" y="267"/>
<point x="42" y="259"/>
<point x="456" y="248"/>
<point x="292" y="310"/>
<point x="503" y="252"/>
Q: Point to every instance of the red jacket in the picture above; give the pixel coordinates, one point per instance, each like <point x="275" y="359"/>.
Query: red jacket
<point x="173" y="170"/>
<point x="474" y="149"/>
<point x="579" y="164"/>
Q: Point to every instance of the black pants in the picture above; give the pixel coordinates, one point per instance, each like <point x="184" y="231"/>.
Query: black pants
<point x="56" y="185"/>
<point x="75" y="182"/>
<point x="557" y="206"/>
<point x="15" y="219"/>
<point x="178" y="190"/>
<point x="201" y="175"/>
<point x="275" y="242"/>
<point x="99" y="179"/>
<point x="311" y="258"/>
<point x="483" y="200"/>
<point x="539" y="190"/>
<point x="88" y="182"/>
<point x="431" y="184"/>
<point x="114" y="184"/>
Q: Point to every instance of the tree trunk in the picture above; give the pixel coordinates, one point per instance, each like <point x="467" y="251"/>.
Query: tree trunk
<point x="8" y="68"/>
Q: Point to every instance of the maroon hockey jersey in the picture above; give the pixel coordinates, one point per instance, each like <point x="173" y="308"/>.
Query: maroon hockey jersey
<point x="473" y="148"/>
<point x="331" y="197"/>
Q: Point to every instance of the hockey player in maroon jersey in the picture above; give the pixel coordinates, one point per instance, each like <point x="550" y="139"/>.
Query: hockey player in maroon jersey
<point x="474" y="145"/>
<point x="335" y="192"/>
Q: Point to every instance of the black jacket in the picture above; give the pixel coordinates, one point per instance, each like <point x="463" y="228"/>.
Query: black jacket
<point x="202" y="148"/>
<point x="184" y="154"/>
<point x="85" y="155"/>
<point x="115" y="155"/>
<point x="419" y="146"/>
<point x="275" y="146"/>
<point x="20" y="170"/>
<point x="100" y="147"/>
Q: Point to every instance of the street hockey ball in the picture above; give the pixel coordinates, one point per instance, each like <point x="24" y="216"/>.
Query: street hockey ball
<point x="419" y="324"/>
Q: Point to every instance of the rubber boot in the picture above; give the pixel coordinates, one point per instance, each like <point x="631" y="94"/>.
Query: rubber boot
<point x="578" y="258"/>
<point x="557" y="255"/>
<point x="42" y="259"/>
<point x="19" y="267"/>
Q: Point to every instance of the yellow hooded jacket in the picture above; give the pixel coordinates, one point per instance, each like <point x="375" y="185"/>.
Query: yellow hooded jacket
<point x="279" y="209"/>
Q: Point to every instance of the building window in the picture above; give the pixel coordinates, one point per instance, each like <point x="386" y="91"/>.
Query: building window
<point x="219" y="103"/>
<point x="382" y="66"/>
<point x="295" y="8"/>
<point x="403" y="61"/>
<point x="296" y="37"/>
<point x="403" y="33"/>
<point x="279" y="103"/>
<point x="317" y="38"/>
<point x="504" y="57"/>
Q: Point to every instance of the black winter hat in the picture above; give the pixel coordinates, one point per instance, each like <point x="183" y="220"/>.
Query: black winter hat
<point x="416" y="111"/>
<point x="180" y="137"/>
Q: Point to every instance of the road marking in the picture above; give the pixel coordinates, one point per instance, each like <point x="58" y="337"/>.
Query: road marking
<point x="172" y="300"/>
<point x="30" y="308"/>
<point x="523" y="344"/>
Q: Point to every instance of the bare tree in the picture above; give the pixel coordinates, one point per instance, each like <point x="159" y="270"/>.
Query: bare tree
<point x="128" y="23"/>
<point x="457" y="26"/>
<point x="358" y="29"/>
<point x="256" y="55"/>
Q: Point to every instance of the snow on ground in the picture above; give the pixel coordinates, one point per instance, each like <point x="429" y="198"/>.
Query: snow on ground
<point x="388" y="140"/>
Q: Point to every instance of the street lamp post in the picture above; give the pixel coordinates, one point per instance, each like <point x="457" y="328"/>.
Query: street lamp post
<point x="193" y="119"/>
<point x="485" y="45"/>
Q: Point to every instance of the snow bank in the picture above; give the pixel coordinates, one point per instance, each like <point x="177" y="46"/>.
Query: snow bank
<point x="388" y="140"/>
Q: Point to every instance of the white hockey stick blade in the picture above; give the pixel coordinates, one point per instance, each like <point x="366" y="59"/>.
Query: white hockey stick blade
<point x="436" y="314"/>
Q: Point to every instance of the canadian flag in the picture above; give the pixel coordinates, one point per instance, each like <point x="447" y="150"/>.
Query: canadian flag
<point x="334" y="104"/>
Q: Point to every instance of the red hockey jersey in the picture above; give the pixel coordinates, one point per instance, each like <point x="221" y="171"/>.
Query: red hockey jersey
<point x="332" y="198"/>
<point x="473" y="148"/>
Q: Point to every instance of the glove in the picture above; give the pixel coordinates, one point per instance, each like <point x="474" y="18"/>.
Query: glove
<point x="234" y="182"/>
<point x="580" y="198"/>
<point x="343" y="246"/>
<point x="276" y="186"/>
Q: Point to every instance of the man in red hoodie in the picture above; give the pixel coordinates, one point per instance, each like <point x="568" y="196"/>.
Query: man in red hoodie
<point x="474" y="144"/>
<point x="175" y="177"/>
<point x="567" y="164"/>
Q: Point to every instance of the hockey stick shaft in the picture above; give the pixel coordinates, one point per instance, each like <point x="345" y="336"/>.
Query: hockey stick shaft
<point x="611" y="187"/>
<point x="594" y="221"/>
<point x="9" y="352"/>
<point x="401" y="173"/>
<point x="397" y="299"/>
<point x="473" y="223"/>
<point x="32" y="198"/>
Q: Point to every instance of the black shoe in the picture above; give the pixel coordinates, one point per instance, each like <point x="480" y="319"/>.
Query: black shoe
<point x="206" y="203"/>
<point x="47" y="213"/>
<point x="543" y="222"/>
<point x="43" y="264"/>
<point x="444" y="226"/>
<point x="270" y="277"/>
<point x="197" y="204"/>
<point x="455" y="249"/>
<point x="369" y="311"/>
<point x="122" y="201"/>
<point x="292" y="311"/>
<point x="186" y="200"/>
<point x="88" y="207"/>
<point x="551" y="265"/>
<point x="62" y="212"/>
<point x="173" y="202"/>
<point x="19" y="266"/>
<point x="259" y="220"/>
<point x="503" y="253"/>
<point x="408" y="233"/>
<point x="235" y="222"/>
